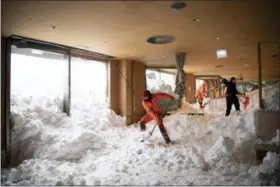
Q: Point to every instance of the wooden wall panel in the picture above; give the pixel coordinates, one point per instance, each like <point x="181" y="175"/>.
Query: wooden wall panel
<point x="190" y="88"/>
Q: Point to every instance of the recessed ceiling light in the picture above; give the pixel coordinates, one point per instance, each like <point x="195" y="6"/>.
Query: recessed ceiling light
<point x="178" y="5"/>
<point x="196" y="20"/>
<point x="221" y="53"/>
<point x="217" y="38"/>
<point x="246" y="65"/>
<point x="160" y="39"/>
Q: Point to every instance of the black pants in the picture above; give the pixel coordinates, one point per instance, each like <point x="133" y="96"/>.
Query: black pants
<point x="232" y="100"/>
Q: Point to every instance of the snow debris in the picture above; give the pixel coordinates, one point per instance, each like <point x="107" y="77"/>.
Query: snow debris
<point x="94" y="147"/>
<point x="270" y="98"/>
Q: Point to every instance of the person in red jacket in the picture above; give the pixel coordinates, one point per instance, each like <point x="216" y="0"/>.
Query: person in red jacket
<point x="155" y="112"/>
<point x="246" y="102"/>
<point x="201" y="93"/>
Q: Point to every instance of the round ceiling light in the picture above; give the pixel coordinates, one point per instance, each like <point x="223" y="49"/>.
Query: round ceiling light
<point x="196" y="19"/>
<point x="161" y="39"/>
<point x="178" y="5"/>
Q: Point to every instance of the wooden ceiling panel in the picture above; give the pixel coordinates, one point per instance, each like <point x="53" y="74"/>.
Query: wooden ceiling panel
<point x="121" y="28"/>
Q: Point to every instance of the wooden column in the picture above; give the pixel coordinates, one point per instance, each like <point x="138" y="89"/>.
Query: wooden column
<point x="67" y="87"/>
<point x="260" y="75"/>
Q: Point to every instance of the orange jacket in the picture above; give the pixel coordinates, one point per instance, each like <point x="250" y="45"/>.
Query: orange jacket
<point x="152" y="107"/>
<point x="201" y="92"/>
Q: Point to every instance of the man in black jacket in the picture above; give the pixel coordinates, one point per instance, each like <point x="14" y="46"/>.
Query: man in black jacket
<point x="231" y="96"/>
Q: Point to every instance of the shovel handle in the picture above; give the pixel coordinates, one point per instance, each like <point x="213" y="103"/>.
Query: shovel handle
<point x="151" y="133"/>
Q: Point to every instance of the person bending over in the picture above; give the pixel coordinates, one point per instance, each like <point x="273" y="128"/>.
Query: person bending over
<point x="155" y="111"/>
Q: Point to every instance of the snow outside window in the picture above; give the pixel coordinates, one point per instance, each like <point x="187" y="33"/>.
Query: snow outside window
<point x="88" y="83"/>
<point x="35" y="76"/>
<point x="158" y="81"/>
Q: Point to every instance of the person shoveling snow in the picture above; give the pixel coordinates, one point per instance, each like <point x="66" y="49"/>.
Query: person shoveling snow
<point x="231" y="95"/>
<point x="156" y="106"/>
<point x="201" y="94"/>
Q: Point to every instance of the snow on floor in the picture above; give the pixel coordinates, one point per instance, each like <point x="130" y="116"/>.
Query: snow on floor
<point x="270" y="98"/>
<point x="94" y="147"/>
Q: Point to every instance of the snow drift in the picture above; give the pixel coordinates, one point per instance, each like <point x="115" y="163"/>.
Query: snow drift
<point x="95" y="148"/>
<point x="270" y="99"/>
<point x="41" y="130"/>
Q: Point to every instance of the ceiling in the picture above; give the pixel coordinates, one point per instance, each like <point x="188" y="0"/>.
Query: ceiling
<point x="121" y="28"/>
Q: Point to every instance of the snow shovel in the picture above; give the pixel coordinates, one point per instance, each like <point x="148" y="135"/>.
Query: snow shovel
<point x="151" y="132"/>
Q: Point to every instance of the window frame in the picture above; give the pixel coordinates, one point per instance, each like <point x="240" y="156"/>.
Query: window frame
<point x="39" y="45"/>
<point x="69" y="53"/>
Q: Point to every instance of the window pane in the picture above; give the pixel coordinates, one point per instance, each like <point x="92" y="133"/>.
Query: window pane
<point x="38" y="74"/>
<point x="88" y="83"/>
<point x="158" y="81"/>
<point x="152" y="79"/>
<point x="168" y="79"/>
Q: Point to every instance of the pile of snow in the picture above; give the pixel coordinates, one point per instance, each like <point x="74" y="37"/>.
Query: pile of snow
<point x="270" y="95"/>
<point x="188" y="108"/>
<point x="41" y="130"/>
<point x="216" y="106"/>
<point x="268" y="173"/>
<point x="274" y="140"/>
<point x="88" y="149"/>
<point x="160" y="86"/>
